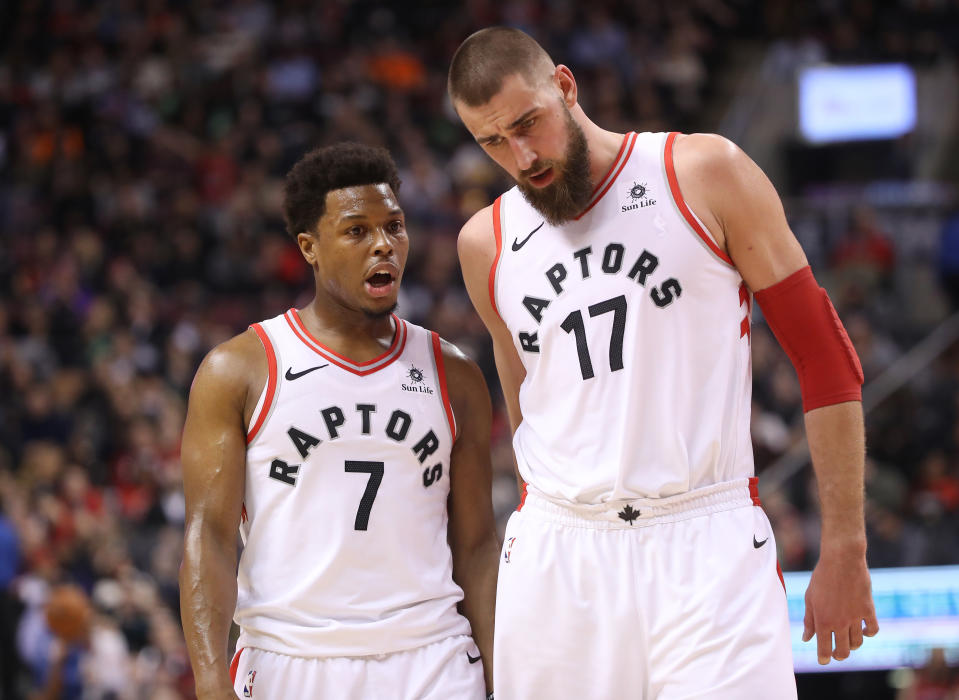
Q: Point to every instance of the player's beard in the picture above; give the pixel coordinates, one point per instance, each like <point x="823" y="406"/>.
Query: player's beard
<point x="567" y="195"/>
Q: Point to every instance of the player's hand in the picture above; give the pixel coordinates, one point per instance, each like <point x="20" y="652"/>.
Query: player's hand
<point x="227" y="694"/>
<point x="222" y="691"/>
<point x="839" y="604"/>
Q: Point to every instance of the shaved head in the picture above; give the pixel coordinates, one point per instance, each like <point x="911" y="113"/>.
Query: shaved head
<point x="487" y="57"/>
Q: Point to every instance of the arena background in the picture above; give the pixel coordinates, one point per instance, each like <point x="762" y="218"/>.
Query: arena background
<point x="142" y="149"/>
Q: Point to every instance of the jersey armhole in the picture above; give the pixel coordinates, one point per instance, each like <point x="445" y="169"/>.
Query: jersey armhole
<point x="690" y="217"/>
<point x="498" y="235"/>
<point x="441" y="378"/>
<point x="265" y="403"/>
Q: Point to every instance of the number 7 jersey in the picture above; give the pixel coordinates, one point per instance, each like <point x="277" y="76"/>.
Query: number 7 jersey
<point x="633" y="327"/>
<point x="344" y="519"/>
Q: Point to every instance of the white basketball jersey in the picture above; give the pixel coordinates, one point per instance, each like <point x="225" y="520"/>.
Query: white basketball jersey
<point x="633" y="326"/>
<point x="347" y="477"/>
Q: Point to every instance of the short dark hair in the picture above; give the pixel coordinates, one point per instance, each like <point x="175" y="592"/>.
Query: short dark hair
<point x="332" y="168"/>
<point x="487" y="57"/>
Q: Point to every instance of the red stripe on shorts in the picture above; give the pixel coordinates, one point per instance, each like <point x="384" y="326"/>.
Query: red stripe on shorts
<point x="754" y="490"/>
<point x="235" y="664"/>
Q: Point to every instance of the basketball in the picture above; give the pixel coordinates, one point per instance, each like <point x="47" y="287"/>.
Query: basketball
<point x="68" y="613"/>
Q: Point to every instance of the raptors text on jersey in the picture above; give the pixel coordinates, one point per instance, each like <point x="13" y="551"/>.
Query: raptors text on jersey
<point x="344" y="522"/>
<point x="633" y="327"/>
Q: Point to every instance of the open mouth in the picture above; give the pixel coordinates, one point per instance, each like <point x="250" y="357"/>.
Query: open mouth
<point x="543" y="178"/>
<point x="380" y="283"/>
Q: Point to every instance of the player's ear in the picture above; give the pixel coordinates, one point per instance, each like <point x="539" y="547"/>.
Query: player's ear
<point x="309" y="247"/>
<point x="564" y="80"/>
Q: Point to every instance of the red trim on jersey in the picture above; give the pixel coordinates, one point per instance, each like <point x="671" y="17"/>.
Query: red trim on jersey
<point x="681" y="203"/>
<point x="744" y="298"/>
<point x="522" y="498"/>
<point x="754" y="490"/>
<point x="235" y="664"/>
<point x="441" y="371"/>
<point x="609" y="180"/>
<point x="270" y="382"/>
<point x="622" y="147"/>
<point x="498" y="234"/>
<point x="299" y="322"/>
<point x="779" y="570"/>
<point x="243" y="515"/>
<point x="396" y="347"/>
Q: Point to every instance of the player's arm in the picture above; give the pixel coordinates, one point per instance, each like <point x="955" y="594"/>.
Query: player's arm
<point x="740" y="206"/>
<point x="477" y="253"/>
<point x="213" y="452"/>
<point x="472" y="528"/>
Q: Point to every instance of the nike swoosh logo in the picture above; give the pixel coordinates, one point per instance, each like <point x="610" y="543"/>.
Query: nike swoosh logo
<point x="473" y="659"/>
<point x="756" y="544"/>
<point x="517" y="244"/>
<point x="291" y="375"/>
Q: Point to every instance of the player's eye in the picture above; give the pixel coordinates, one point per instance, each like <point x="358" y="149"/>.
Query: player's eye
<point x="528" y="123"/>
<point x="396" y="226"/>
<point x="355" y="231"/>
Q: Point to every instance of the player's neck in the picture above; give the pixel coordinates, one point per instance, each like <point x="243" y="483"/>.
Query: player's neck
<point x="603" y="146"/>
<point x="349" y="332"/>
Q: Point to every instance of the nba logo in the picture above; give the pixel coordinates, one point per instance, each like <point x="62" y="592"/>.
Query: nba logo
<point x="248" y="686"/>
<point x="509" y="549"/>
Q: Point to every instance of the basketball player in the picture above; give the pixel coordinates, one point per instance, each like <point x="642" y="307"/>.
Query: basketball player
<point x="351" y="449"/>
<point x="617" y="280"/>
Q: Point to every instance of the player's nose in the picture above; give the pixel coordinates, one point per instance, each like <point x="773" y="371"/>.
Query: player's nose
<point x="382" y="242"/>
<point x="523" y="154"/>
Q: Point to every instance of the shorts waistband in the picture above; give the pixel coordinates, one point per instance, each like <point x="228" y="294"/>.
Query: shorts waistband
<point x="643" y="512"/>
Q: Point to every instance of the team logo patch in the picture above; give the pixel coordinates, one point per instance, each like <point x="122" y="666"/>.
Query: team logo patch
<point x="638" y="197"/>
<point x="416" y="384"/>
<point x="248" y="686"/>
<point x="629" y="514"/>
<point x="509" y="549"/>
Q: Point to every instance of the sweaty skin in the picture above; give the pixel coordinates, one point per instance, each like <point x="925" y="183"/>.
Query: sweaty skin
<point x="742" y="212"/>
<point x="362" y="232"/>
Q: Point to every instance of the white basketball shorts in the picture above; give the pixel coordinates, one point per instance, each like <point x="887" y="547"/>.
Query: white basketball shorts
<point x="655" y="599"/>
<point x="439" y="671"/>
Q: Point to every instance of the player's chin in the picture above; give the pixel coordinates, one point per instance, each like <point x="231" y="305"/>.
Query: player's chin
<point x="380" y="308"/>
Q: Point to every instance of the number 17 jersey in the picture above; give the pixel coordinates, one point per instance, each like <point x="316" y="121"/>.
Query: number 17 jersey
<point x="633" y="327"/>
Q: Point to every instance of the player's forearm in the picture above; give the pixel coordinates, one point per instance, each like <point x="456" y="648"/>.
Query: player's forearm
<point x="837" y="446"/>
<point x="207" y="602"/>
<point x="475" y="572"/>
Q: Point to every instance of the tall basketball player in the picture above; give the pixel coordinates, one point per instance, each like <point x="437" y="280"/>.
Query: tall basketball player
<point x="616" y="280"/>
<point x="351" y="449"/>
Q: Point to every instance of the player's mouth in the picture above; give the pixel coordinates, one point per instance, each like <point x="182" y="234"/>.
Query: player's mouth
<point x="542" y="178"/>
<point x="382" y="280"/>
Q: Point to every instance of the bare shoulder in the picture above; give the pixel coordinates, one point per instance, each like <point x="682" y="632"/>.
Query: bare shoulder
<point x="233" y="368"/>
<point x="476" y="236"/>
<point x="710" y="155"/>
<point x="460" y="369"/>
<point x="740" y="206"/>
<point x="723" y="185"/>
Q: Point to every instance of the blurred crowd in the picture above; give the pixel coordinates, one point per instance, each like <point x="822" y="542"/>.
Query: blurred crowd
<point x="142" y="149"/>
